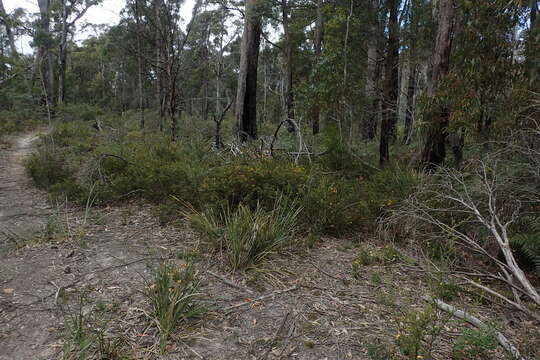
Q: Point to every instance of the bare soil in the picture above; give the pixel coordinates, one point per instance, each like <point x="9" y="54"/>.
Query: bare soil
<point x="58" y="262"/>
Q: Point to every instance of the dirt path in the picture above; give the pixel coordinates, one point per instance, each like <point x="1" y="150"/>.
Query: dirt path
<point x="38" y="278"/>
<point x="22" y="207"/>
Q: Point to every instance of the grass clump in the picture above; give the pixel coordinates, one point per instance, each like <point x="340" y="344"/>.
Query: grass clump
<point x="175" y="296"/>
<point x="249" y="236"/>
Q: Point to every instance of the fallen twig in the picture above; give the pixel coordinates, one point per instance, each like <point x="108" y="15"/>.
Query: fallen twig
<point x="460" y="314"/>
<point x="273" y="293"/>
<point x="229" y="282"/>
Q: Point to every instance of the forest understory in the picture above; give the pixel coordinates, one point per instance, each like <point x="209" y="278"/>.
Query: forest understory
<point x="270" y="179"/>
<point x="82" y="284"/>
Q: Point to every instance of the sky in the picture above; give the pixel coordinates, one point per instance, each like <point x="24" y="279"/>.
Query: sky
<point x="108" y="13"/>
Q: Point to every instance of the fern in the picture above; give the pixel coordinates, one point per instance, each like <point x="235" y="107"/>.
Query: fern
<point x="526" y="245"/>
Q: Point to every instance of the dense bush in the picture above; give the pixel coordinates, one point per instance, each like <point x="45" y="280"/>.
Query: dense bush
<point x="123" y="164"/>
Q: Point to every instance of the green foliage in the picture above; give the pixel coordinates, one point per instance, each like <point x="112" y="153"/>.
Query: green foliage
<point x="339" y="157"/>
<point x="74" y="135"/>
<point x="476" y="344"/>
<point x="249" y="236"/>
<point x="365" y="257"/>
<point x="389" y="186"/>
<point x="129" y="163"/>
<point x="380" y="351"/>
<point x="418" y="333"/>
<point x="48" y="168"/>
<point x="526" y="246"/>
<point x="86" y="337"/>
<point x="446" y="290"/>
<point x="79" y="112"/>
<point x="334" y="205"/>
<point x="254" y="182"/>
<point x="175" y="296"/>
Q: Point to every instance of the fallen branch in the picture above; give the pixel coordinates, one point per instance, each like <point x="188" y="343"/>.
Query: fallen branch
<point x="460" y="314"/>
<point x="229" y="282"/>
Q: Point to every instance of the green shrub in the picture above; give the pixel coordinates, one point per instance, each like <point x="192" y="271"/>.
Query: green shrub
<point x="79" y="112"/>
<point x="174" y="296"/>
<point x="47" y="168"/>
<point x="526" y="245"/>
<point x="76" y="135"/>
<point x="249" y="236"/>
<point x="380" y="351"/>
<point x="418" y="333"/>
<point x="475" y="344"/>
<point x="445" y="290"/>
<point x="389" y="186"/>
<point x="333" y="205"/>
<point x="252" y="182"/>
<point x="365" y="257"/>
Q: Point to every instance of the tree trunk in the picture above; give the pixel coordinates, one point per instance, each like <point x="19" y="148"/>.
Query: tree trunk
<point x="246" y="99"/>
<point x="409" y="109"/>
<point x="391" y="83"/>
<point x="44" y="52"/>
<point x="288" y="92"/>
<point x="62" y="55"/>
<point x="5" y="19"/>
<point x="319" y="34"/>
<point x="434" y="151"/>
<point x="139" y="65"/>
<point x="369" y="127"/>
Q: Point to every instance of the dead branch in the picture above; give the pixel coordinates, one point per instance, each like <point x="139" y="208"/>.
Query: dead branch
<point x="229" y="282"/>
<point x="460" y="314"/>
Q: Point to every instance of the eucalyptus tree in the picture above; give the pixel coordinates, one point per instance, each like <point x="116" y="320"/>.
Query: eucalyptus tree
<point x="246" y="96"/>
<point x="6" y="20"/>
<point x="434" y="150"/>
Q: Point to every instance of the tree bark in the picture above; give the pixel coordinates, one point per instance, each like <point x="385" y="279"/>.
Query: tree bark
<point x="391" y="84"/>
<point x="319" y="33"/>
<point x="369" y="127"/>
<point x="246" y="98"/>
<point x="139" y="65"/>
<point x="409" y="109"/>
<point x="7" y="24"/>
<point x="288" y="91"/>
<point x="62" y="55"/>
<point x="434" y="151"/>
<point x="44" y="52"/>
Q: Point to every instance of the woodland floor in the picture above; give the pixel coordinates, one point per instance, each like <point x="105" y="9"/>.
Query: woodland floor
<point x="57" y="261"/>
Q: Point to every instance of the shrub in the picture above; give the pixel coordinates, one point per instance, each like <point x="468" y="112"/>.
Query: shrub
<point x="333" y="205"/>
<point x="249" y="236"/>
<point x="74" y="135"/>
<point x="252" y="182"/>
<point x="475" y="344"/>
<point x="47" y="168"/>
<point x="526" y="245"/>
<point x="418" y="333"/>
<point x="388" y="187"/>
<point x="365" y="257"/>
<point x="174" y="297"/>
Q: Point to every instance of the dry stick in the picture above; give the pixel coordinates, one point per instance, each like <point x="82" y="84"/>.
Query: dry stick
<point x="229" y="282"/>
<point x="460" y="314"/>
<point x="324" y="272"/>
<point x="277" y="292"/>
<point x="271" y="344"/>
<point x="502" y="297"/>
